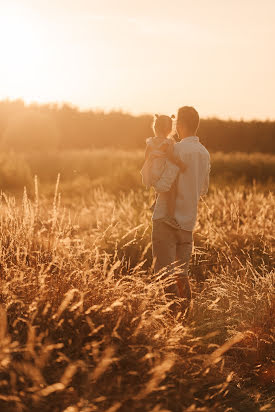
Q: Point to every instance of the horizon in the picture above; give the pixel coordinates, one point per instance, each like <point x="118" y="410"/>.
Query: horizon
<point x="112" y="56"/>
<point x="59" y="104"/>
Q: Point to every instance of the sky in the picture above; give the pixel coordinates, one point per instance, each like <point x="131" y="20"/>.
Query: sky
<point x="141" y="56"/>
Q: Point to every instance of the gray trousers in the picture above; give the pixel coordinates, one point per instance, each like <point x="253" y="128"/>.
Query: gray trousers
<point x="172" y="250"/>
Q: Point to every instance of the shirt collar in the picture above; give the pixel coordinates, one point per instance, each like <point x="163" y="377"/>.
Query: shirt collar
<point x="190" y="139"/>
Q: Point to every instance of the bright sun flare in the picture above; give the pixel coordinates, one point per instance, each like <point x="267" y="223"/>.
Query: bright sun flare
<point x="21" y="53"/>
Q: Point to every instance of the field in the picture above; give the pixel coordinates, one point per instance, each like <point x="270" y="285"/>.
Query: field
<point x="118" y="170"/>
<point x="85" y="325"/>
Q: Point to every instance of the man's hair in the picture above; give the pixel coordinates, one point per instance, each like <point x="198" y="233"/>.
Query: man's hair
<point x="189" y="117"/>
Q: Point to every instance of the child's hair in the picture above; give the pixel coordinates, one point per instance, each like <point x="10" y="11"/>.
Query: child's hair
<point x="163" y="124"/>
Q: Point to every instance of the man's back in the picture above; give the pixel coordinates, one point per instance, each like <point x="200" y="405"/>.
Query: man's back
<point x="191" y="184"/>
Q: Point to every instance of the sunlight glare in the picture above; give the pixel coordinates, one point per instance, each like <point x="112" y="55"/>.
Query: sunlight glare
<point x="21" y="52"/>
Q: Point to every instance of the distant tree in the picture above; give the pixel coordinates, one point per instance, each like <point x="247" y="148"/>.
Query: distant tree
<point x="31" y="131"/>
<point x="45" y="127"/>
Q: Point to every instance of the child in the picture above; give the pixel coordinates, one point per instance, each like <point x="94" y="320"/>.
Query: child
<point x="158" y="155"/>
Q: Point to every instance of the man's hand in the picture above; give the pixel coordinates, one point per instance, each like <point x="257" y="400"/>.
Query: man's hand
<point x="182" y="166"/>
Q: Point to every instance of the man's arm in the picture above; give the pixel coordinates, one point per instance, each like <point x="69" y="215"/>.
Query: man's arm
<point x="171" y="171"/>
<point x="205" y="185"/>
<point x="167" y="178"/>
<point x="175" y="159"/>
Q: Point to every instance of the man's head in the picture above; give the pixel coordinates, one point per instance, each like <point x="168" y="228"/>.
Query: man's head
<point x="187" y="121"/>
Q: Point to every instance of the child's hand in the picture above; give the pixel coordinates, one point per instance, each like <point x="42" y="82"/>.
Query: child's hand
<point x="182" y="166"/>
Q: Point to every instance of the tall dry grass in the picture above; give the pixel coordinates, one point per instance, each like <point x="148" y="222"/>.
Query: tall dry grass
<point x="85" y="325"/>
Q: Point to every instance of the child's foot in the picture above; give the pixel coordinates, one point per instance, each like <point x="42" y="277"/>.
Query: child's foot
<point x="171" y="221"/>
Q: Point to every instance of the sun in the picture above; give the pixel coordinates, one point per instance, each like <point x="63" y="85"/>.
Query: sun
<point x="21" y="53"/>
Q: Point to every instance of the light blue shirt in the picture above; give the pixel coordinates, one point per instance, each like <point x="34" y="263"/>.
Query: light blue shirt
<point x="191" y="185"/>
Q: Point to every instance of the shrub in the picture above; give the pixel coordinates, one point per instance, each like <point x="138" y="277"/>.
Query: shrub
<point x="14" y="172"/>
<point x="30" y="131"/>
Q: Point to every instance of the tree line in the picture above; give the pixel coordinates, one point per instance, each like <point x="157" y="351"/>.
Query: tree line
<point x="65" y="127"/>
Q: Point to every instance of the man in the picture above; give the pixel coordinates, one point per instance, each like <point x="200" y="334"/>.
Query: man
<point x="172" y="248"/>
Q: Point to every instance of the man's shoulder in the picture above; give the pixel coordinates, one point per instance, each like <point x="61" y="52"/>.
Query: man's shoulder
<point x="177" y="146"/>
<point x="204" y="150"/>
<point x="179" y="149"/>
<point x="192" y="147"/>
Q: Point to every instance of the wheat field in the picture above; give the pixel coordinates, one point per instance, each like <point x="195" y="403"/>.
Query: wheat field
<point x="85" y="325"/>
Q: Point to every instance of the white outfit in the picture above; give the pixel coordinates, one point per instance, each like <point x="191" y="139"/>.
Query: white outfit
<point x="192" y="183"/>
<point x="157" y="161"/>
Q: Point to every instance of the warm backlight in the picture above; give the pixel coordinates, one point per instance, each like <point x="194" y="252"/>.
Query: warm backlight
<point x="21" y="54"/>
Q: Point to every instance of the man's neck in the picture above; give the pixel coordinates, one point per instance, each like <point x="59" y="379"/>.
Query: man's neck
<point x="185" y="135"/>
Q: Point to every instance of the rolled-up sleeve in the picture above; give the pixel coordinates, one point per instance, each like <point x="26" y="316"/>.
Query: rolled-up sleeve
<point x="205" y="184"/>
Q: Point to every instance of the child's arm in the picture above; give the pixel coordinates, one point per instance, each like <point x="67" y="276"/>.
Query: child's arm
<point x="174" y="159"/>
<point x="179" y="163"/>
<point x="147" y="152"/>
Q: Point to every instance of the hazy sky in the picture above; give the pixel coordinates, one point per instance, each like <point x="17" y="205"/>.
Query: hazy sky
<point x="141" y="56"/>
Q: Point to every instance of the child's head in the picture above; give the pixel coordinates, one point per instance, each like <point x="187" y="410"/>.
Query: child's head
<point x="162" y="125"/>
